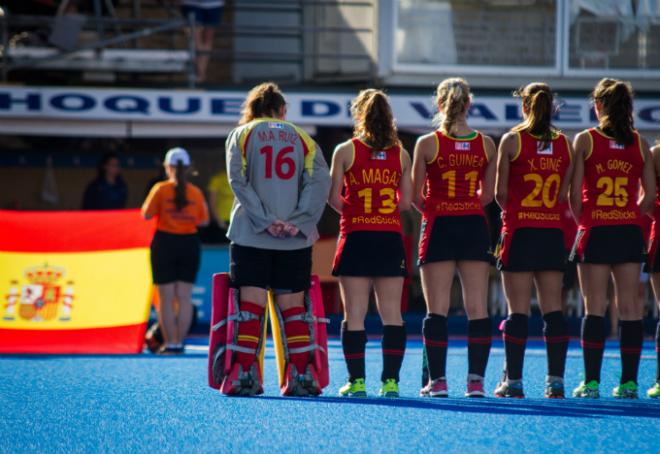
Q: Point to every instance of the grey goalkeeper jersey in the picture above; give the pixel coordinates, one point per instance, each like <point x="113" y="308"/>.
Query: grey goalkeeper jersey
<point x="277" y="172"/>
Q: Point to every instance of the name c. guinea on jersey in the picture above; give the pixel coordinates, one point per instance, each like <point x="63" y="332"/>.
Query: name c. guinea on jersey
<point x="463" y="160"/>
<point x="454" y="176"/>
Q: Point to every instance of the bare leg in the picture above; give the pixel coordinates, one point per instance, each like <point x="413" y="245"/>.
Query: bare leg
<point x="388" y="299"/>
<point x="183" y="292"/>
<point x="548" y="287"/>
<point x="355" y="295"/>
<point x="474" y="283"/>
<point x="518" y="291"/>
<point x="256" y="295"/>
<point x="593" y="283"/>
<point x="437" y="279"/>
<point x="166" y="316"/>
<point x="205" y="43"/>
<point x="626" y="288"/>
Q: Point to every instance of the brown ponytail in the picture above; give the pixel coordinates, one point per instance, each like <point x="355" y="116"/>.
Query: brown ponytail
<point x="538" y="101"/>
<point x="616" y="111"/>
<point x="181" y="177"/>
<point x="264" y="100"/>
<point x="452" y="98"/>
<point x="374" y="122"/>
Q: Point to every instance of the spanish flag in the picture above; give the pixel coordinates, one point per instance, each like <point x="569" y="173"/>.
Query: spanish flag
<point x="74" y="282"/>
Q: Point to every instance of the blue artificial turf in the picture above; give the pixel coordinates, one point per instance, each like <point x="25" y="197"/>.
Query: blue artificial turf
<point x="145" y="403"/>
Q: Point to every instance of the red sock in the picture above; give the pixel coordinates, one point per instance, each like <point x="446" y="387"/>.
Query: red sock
<point x="297" y="336"/>
<point x="248" y="334"/>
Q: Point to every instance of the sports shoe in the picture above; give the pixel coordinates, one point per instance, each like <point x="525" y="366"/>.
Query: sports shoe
<point x="292" y="385"/>
<point x="627" y="390"/>
<point x="242" y="383"/>
<point x="170" y="350"/>
<point x="654" y="391"/>
<point x="475" y="388"/>
<point x="310" y="381"/>
<point x="389" y="388"/>
<point x="509" y="388"/>
<point x="356" y="388"/>
<point x="153" y="338"/>
<point x="435" y="388"/>
<point x="587" y="390"/>
<point x="554" y="388"/>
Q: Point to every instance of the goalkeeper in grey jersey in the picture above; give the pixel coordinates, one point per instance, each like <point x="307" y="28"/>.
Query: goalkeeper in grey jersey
<point x="281" y="182"/>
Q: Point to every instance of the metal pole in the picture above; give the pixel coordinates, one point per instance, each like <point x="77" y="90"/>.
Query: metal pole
<point x="97" y="15"/>
<point x="107" y="42"/>
<point x="192" y="47"/>
<point x="5" y="43"/>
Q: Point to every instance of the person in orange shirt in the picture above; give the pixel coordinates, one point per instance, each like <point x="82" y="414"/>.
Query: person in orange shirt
<point x="180" y="209"/>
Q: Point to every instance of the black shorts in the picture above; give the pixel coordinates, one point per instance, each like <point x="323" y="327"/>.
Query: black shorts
<point x="280" y="271"/>
<point x="370" y="254"/>
<point x="611" y="244"/>
<point x="455" y="238"/>
<point x="532" y="249"/>
<point x="175" y="257"/>
<point x="209" y="17"/>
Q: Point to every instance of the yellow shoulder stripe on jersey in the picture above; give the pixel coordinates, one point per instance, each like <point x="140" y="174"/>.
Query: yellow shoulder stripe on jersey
<point x="519" y="146"/>
<point x="591" y="145"/>
<point x="437" y="148"/>
<point x="640" y="144"/>
<point x="483" y="144"/>
<point x="352" y="156"/>
<point x="242" y="141"/>
<point x="568" y="148"/>
<point x="310" y="148"/>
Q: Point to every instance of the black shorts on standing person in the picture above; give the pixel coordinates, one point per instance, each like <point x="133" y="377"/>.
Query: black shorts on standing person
<point x="456" y="238"/>
<point x="370" y="254"/>
<point x="285" y="271"/>
<point x="614" y="244"/>
<point x="532" y="249"/>
<point x="175" y="257"/>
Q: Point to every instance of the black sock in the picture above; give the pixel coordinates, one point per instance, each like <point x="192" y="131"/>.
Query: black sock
<point x="515" y="339"/>
<point x="434" y="332"/>
<point x="555" y="334"/>
<point x="479" y="340"/>
<point x="657" y="352"/>
<point x="631" y="337"/>
<point x="394" y="346"/>
<point x="593" y="345"/>
<point x="354" y="344"/>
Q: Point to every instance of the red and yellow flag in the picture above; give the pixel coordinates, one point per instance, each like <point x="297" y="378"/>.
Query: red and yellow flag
<point x="74" y="282"/>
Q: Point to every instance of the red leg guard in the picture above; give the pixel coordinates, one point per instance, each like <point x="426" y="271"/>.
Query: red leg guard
<point x="297" y="336"/>
<point x="249" y="334"/>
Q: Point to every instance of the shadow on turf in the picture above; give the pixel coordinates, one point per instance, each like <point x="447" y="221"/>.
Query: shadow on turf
<point x="568" y="407"/>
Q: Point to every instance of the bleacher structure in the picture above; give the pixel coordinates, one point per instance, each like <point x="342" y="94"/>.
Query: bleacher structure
<point x="287" y="40"/>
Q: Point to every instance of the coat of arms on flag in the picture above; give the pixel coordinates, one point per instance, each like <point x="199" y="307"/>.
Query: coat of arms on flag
<point x="43" y="296"/>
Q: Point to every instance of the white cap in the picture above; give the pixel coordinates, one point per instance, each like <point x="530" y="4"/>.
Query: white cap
<point x="177" y="155"/>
